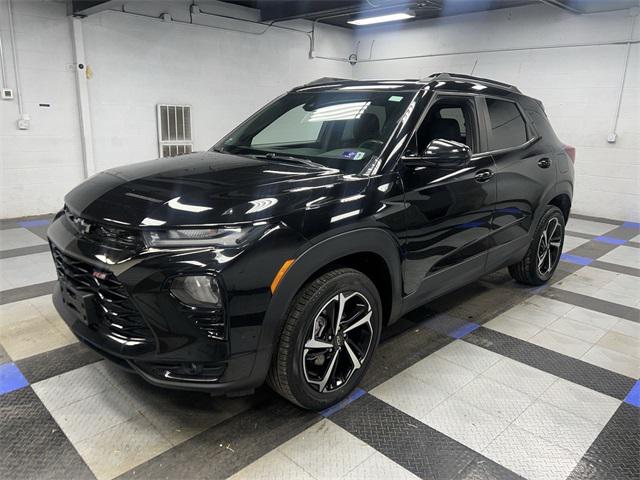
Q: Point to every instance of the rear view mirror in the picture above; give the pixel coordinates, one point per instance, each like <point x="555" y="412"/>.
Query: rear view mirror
<point x="446" y="153"/>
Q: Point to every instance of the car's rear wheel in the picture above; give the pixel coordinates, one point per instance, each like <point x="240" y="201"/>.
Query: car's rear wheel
<point x="542" y="258"/>
<point x="328" y="339"/>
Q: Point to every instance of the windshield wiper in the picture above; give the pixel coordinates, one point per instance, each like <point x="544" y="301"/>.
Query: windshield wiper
<point x="287" y="158"/>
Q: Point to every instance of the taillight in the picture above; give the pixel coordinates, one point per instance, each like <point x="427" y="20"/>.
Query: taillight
<point x="571" y="151"/>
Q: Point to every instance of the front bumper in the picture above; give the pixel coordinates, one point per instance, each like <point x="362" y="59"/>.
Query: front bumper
<point x="156" y="336"/>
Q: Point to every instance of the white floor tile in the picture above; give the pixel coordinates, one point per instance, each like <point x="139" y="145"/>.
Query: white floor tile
<point x="571" y="242"/>
<point x="581" y="331"/>
<point x="520" y="377"/>
<point x="271" y="466"/>
<point x="379" y="467"/>
<point x="410" y="395"/>
<point x="621" y="343"/>
<point x="70" y="387"/>
<point x="612" y="360"/>
<point x="549" y="305"/>
<point x="469" y="356"/>
<point x="13" y="238"/>
<point x="627" y="327"/>
<point x="466" y="423"/>
<point x="122" y="447"/>
<point x="561" y="343"/>
<point x="441" y="374"/>
<point x="494" y="398"/>
<point x="16" y="272"/>
<point x="559" y="427"/>
<point x="591" y="317"/>
<point x="530" y="456"/>
<point x="325" y="450"/>
<point x="510" y="326"/>
<point x="91" y="416"/>
<point x="581" y="401"/>
<point x="587" y="226"/>
<point x="531" y="315"/>
<point x="623" y="255"/>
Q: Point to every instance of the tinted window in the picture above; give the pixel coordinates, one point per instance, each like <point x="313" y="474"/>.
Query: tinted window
<point x="508" y="128"/>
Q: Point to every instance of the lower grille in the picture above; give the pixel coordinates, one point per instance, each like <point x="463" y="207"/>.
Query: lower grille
<point x="115" y="311"/>
<point x="211" y="322"/>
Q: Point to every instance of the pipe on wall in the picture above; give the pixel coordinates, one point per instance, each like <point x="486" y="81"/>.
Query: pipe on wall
<point x="634" y="16"/>
<point x="16" y="65"/>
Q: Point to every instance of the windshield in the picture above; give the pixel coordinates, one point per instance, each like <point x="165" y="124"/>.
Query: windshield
<point x="336" y="129"/>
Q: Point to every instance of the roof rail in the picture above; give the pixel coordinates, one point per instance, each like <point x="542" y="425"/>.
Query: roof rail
<point x="320" y="81"/>
<point x="443" y="75"/>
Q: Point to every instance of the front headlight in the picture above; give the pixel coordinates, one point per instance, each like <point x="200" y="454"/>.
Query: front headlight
<point x="196" y="237"/>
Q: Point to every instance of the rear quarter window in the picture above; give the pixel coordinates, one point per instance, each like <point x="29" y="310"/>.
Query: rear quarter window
<point x="508" y="127"/>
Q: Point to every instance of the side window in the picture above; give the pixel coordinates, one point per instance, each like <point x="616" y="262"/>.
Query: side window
<point x="449" y="120"/>
<point x="508" y="128"/>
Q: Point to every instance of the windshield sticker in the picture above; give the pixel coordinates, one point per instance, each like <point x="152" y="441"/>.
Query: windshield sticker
<point x="395" y="98"/>
<point x="359" y="156"/>
<point x="350" y="154"/>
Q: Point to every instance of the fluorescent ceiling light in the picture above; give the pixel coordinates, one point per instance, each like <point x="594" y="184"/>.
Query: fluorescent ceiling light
<point x="389" y="17"/>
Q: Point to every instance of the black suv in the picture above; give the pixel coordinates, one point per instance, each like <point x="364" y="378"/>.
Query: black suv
<point x="281" y="253"/>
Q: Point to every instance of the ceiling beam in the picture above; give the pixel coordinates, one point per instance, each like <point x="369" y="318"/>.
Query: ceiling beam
<point x="84" y="8"/>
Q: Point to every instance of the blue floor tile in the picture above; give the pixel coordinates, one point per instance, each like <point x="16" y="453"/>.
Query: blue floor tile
<point x="633" y="397"/>
<point x="33" y="223"/>
<point x="357" y="393"/>
<point x="610" y="240"/>
<point x="11" y="378"/>
<point x="631" y="225"/>
<point x="464" y="330"/>
<point x="576" y="259"/>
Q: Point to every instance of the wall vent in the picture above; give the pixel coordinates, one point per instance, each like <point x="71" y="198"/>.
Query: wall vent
<point x="174" y="130"/>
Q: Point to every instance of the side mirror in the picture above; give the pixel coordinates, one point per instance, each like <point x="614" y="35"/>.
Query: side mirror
<point x="446" y="153"/>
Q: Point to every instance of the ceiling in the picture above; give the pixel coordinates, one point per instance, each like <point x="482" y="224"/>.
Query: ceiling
<point x="338" y="12"/>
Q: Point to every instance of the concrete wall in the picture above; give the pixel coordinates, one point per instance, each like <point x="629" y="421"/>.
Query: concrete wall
<point x="578" y="85"/>
<point x="138" y="62"/>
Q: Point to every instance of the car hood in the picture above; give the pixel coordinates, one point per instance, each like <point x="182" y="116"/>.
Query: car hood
<point x="199" y="189"/>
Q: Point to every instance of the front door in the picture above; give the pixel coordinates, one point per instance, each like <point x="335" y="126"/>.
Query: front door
<point x="449" y="210"/>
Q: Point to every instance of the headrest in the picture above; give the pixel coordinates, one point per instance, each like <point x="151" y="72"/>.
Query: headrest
<point x="366" y="127"/>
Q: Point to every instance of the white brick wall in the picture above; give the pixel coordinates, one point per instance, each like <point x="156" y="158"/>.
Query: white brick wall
<point x="579" y="86"/>
<point x="137" y="63"/>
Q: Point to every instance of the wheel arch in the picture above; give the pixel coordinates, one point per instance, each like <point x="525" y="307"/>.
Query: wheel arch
<point x="372" y="251"/>
<point x="563" y="202"/>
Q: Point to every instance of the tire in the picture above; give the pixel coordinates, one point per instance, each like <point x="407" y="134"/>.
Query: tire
<point x="534" y="268"/>
<point x="308" y="347"/>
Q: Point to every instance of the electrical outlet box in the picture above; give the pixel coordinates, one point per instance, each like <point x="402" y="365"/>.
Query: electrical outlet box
<point x="24" y="122"/>
<point x="7" y="93"/>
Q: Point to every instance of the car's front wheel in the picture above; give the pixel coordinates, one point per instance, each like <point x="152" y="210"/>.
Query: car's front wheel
<point x="544" y="252"/>
<point x="328" y="339"/>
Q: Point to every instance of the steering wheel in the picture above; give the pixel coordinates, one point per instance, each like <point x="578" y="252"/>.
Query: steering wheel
<point x="372" y="142"/>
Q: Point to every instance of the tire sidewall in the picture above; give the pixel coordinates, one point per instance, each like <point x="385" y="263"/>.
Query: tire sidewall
<point x="552" y="212"/>
<point x="301" y="390"/>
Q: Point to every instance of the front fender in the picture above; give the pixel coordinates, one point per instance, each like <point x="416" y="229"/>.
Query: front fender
<point x="364" y="240"/>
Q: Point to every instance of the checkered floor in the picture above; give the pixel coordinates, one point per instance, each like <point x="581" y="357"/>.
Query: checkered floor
<point x="492" y="381"/>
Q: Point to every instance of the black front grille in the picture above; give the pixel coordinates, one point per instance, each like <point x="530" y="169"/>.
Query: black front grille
<point x="116" y="313"/>
<point x="104" y="234"/>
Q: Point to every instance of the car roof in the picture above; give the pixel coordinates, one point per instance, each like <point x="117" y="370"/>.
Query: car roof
<point x="461" y="82"/>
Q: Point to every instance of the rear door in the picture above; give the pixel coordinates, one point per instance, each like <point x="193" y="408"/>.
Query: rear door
<point x="524" y="173"/>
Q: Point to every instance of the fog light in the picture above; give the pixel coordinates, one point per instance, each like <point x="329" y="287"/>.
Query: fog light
<point x="197" y="290"/>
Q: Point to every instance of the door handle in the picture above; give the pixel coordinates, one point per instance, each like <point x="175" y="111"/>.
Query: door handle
<point x="544" y="163"/>
<point x="483" y="175"/>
